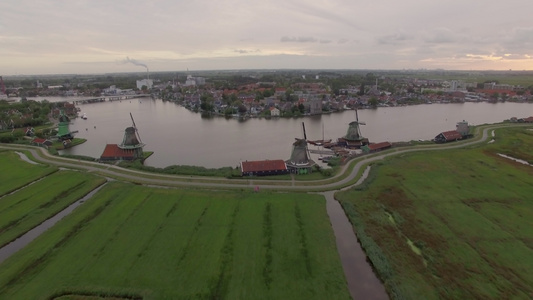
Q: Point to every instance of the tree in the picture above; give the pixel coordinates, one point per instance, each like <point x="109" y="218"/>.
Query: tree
<point x="268" y="92"/>
<point x="362" y="89"/>
<point x="373" y="102"/>
<point x="301" y="108"/>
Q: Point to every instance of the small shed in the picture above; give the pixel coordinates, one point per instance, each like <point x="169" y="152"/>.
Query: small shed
<point x="263" y="167"/>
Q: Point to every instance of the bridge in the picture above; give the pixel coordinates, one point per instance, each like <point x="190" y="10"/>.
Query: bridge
<point x="110" y="98"/>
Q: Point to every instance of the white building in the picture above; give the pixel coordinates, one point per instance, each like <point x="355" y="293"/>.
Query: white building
<point x="274" y="112"/>
<point x="145" y="82"/>
<point x="112" y="90"/>
<point x="193" y="81"/>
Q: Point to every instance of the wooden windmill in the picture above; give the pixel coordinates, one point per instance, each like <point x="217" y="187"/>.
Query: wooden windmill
<point x="132" y="140"/>
<point x="300" y="161"/>
<point x="353" y="137"/>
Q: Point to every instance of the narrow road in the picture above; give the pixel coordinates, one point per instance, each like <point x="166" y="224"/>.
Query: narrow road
<point x="41" y="155"/>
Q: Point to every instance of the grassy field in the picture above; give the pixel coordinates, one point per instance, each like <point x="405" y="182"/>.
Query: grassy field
<point x="134" y="241"/>
<point x="455" y="224"/>
<point x="16" y="173"/>
<point x="28" y="207"/>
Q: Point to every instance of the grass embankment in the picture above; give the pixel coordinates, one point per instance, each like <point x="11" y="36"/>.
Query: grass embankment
<point x="134" y="241"/>
<point x="29" y="207"/>
<point x="227" y="172"/>
<point x="16" y="173"/>
<point x="454" y="224"/>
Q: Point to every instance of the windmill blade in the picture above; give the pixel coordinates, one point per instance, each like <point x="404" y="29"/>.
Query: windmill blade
<point x="362" y="123"/>
<point x="135" y="127"/>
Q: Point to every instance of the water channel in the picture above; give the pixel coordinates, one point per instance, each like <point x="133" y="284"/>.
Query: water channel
<point x="178" y="136"/>
<point x="29" y="236"/>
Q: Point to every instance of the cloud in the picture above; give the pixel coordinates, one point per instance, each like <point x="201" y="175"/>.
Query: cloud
<point x="441" y="36"/>
<point x="324" y="34"/>
<point x="301" y="39"/>
<point x="394" y="39"/>
<point x="243" y="51"/>
<point x="519" y="40"/>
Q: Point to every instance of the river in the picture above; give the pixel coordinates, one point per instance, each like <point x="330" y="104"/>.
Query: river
<point x="178" y="136"/>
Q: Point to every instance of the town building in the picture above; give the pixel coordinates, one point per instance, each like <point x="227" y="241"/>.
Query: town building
<point x="274" y="112"/>
<point x="463" y="128"/>
<point x="149" y="83"/>
<point x="194" y="81"/>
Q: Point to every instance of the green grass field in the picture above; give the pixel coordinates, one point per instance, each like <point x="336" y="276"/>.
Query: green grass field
<point x="16" y="173"/>
<point x="134" y="241"/>
<point x="28" y="207"/>
<point x="454" y="224"/>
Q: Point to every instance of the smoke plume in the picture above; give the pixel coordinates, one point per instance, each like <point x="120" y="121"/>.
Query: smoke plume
<point x="135" y="62"/>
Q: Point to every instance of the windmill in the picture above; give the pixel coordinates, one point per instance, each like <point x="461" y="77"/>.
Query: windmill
<point x="63" y="131"/>
<point x="300" y="160"/>
<point x="132" y="140"/>
<point x="353" y="137"/>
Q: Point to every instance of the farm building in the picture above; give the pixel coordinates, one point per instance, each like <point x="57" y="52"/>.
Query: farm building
<point x="375" y="147"/>
<point x="41" y="142"/>
<point x="114" y="152"/>
<point x="263" y="167"/>
<point x="448" y="136"/>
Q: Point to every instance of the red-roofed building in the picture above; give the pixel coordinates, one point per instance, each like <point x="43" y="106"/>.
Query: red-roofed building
<point x="41" y="142"/>
<point x="528" y="120"/>
<point x="448" y="136"/>
<point x="113" y="152"/>
<point x="263" y="167"/>
<point x="374" y="147"/>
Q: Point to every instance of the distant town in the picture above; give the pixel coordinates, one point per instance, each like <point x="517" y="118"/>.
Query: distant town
<point x="283" y="93"/>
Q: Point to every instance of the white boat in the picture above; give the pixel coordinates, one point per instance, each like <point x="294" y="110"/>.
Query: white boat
<point x="84" y="116"/>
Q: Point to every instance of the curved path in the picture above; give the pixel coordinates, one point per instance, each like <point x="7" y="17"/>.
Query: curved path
<point x="339" y="181"/>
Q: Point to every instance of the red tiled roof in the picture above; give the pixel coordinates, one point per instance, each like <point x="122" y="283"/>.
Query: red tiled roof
<point x="528" y="119"/>
<point x="378" y="146"/>
<point x="113" y="151"/>
<point x="452" y="135"/>
<point x="263" y="166"/>
<point x="39" y="140"/>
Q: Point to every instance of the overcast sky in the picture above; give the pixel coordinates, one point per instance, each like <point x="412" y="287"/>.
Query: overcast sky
<point x="94" y="36"/>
